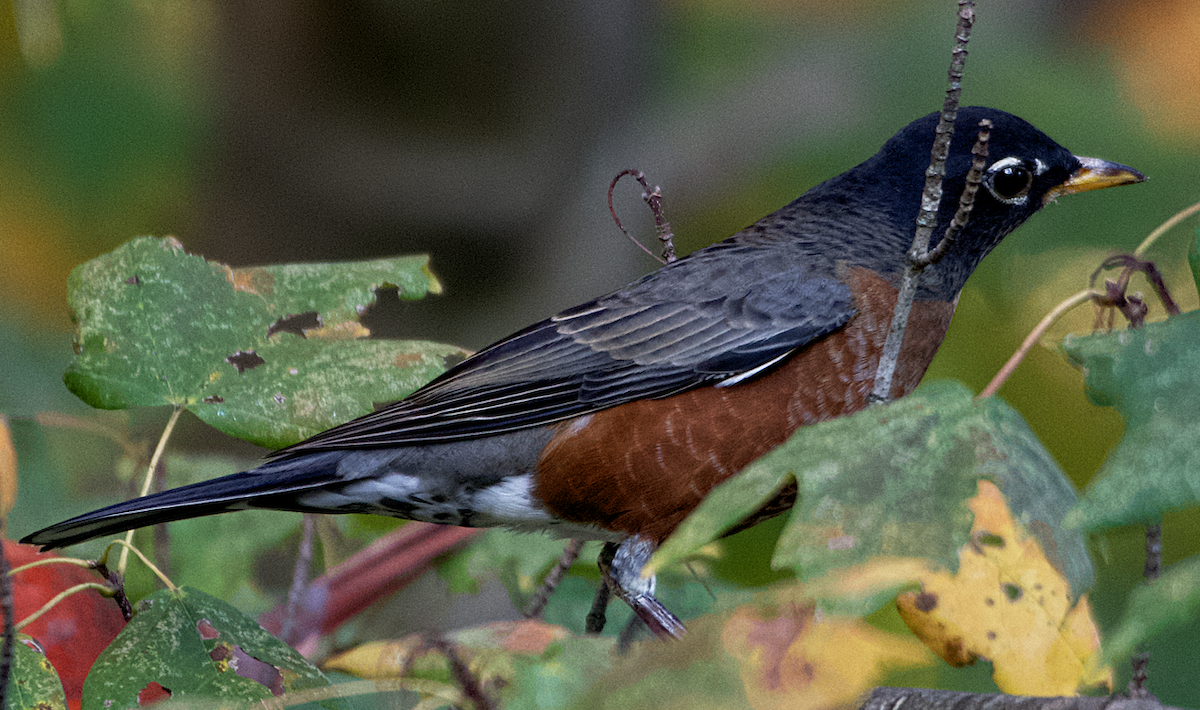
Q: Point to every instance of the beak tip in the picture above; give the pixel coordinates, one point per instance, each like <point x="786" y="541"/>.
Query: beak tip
<point x="1107" y="171"/>
<point x="1095" y="174"/>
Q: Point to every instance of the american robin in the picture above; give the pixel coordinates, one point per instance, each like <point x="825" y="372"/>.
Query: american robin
<point x="612" y="420"/>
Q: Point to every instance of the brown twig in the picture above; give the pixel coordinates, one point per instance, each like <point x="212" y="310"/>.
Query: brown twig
<point x="116" y="583"/>
<point x="570" y="553"/>
<point x="6" y="650"/>
<point x="931" y="198"/>
<point x="653" y="198"/>
<point x="966" y="201"/>
<point x="472" y="689"/>
<point x="1140" y="663"/>
<point x="1132" y="307"/>
<point x="379" y="570"/>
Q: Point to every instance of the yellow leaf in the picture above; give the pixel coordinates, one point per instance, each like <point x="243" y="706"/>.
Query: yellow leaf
<point x="794" y="659"/>
<point x="486" y="650"/>
<point x="878" y="575"/>
<point x="1009" y="605"/>
<point x="8" y="470"/>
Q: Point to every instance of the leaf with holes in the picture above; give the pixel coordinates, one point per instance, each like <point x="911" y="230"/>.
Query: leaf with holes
<point x="187" y="644"/>
<point x="777" y="651"/>
<point x="895" y="481"/>
<point x="269" y="354"/>
<point x="33" y="683"/>
<point x="1008" y="604"/>
<point x="1149" y="376"/>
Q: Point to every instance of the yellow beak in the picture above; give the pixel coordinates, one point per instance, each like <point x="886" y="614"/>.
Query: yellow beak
<point x="1094" y="174"/>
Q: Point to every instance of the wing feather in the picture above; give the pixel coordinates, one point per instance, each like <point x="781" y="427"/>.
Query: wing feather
<point x="722" y="314"/>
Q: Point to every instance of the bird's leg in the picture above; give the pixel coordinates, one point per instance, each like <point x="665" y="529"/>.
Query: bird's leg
<point x="621" y="568"/>
<point x="597" y="616"/>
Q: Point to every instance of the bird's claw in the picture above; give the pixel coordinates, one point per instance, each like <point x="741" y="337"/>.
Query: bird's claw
<point x="621" y="568"/>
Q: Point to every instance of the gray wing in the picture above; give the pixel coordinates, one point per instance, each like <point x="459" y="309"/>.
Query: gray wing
<point x="717" y="317"/>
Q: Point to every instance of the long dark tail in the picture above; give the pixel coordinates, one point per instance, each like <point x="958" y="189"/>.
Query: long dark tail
<point x="273" y="486"/>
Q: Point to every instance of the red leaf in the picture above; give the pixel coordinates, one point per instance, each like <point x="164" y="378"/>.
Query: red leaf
<point x="76" y="630"/>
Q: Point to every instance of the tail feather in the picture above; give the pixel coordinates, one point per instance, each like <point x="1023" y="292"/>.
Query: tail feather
<point x="273" y="486"/>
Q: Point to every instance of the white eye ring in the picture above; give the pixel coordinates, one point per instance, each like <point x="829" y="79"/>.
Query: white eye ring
<point x="1015" y="179"/>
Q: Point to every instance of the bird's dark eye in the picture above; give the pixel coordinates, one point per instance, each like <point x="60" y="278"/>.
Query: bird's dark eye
<point x="1008" y="180"/>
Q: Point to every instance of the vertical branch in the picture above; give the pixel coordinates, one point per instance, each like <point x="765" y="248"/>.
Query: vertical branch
<point x="1141" y="660"/>
<point x="931" y="198"/>
<point x="6" y="650"/>
<point x="300" y="574"/>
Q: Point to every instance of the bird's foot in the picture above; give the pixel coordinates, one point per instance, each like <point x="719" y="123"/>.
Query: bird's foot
<point x="621" y="569"/>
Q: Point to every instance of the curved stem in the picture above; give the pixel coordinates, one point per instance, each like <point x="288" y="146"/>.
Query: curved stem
<point x="102" y="588"/>
<point x="146" y="561"/>
<point x="86" y="564"/>
<point x="1005" y="372"/>
<point x="158" y="452"/>
<point x="1162" y="228"/>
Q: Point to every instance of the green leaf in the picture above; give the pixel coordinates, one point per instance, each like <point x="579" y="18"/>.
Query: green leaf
<point x="269" y="354"/>
<point x="1149" y="376"/>
<point x="33" y="685"/>
<point x="1169" y="602"/>
<point x="563" y="676"/>
<point x="1194" y="258"/>
<point x="195" y="646"/>
<point x="894" y="481"/>
<point x="519" y="560"/>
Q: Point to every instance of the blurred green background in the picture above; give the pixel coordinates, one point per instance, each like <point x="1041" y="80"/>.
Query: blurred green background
<point x="486" y="135"/>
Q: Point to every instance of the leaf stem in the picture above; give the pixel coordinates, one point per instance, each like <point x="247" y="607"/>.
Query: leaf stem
<point x="154" y="459"/>
<point x="104" y="589"/>
<point x="1034" y="335"/>
<point x="1164" y="227"/>
<point x="126" y="546"/>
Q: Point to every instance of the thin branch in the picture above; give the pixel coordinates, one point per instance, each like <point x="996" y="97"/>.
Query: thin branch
<point x="116" y="586"/>
<point x="653" y="198"/>
<point x="133" y="450"/>
<point x="931" y="198"/>
<point x="570" y="553"/>
<point x="1034" y="335"/>
<point x="472" y="689"/>
<point x="1140" y="663"/>
<point x="300" y="575"/>
<point x="154" y="459"/>
<point x="597" y="617"/>
<point x="966" y="201"/>
<point x="6" y="650"/>
<point x="86" y="564"/>
<point x="162" y="533"/>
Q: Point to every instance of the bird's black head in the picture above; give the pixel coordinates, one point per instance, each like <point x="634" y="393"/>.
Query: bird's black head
<point x="1024" y="170"/>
